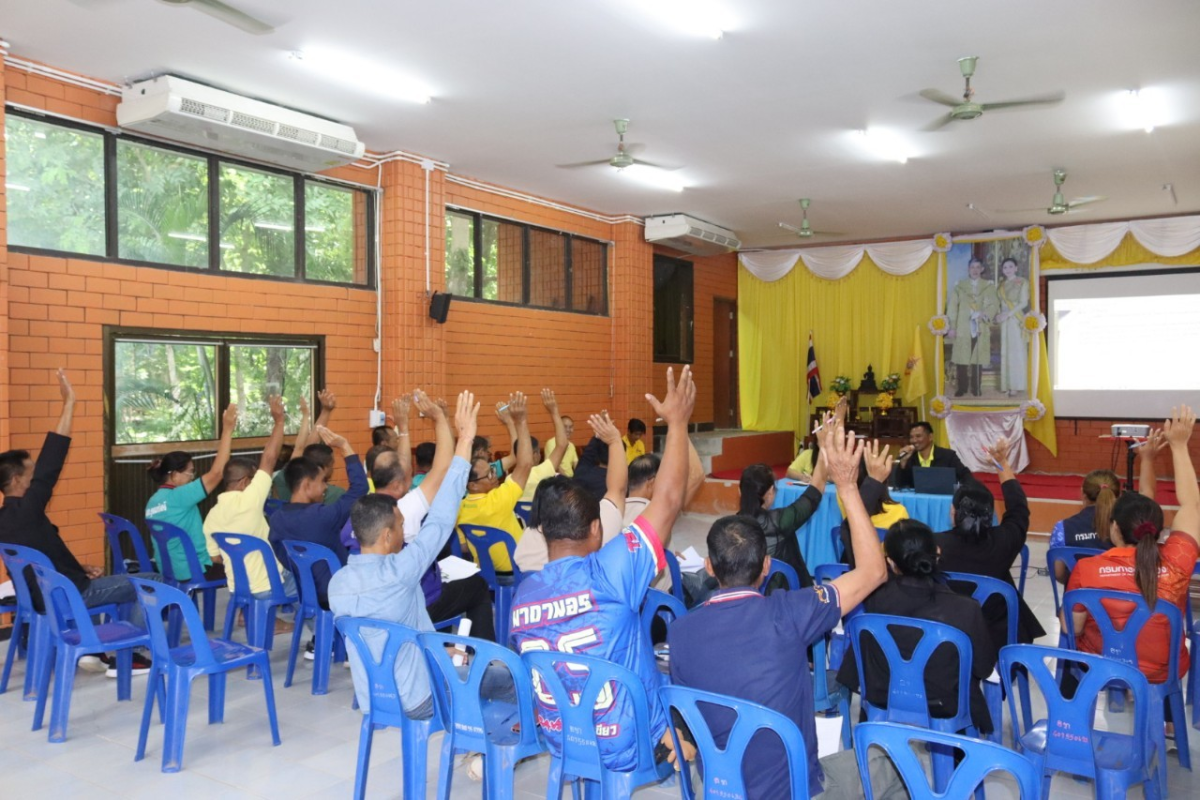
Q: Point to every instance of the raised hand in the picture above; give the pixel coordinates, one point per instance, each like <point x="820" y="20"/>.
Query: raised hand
<point x="303" y="406"/>
<point x="427" y="406"/>
<point x="549" y="401"/>
<point x="504" y="412"/>
<point x="332" y="439"/>
<point x="518" y="406"/>
<point x="604" y="429"/>
<point x="400" y="408"/>
<point x="676" y="406"/>
<point x="841" y="451"/>
<point x="275" y="403"/>
<point x="328" y="399"/>
<point x="999" y="451"/>
<point x="64" y="387"/>
<point x="879" y="461"/>
<point x="466" y="416"/>
<point x="1156" y="442"/>
<point x="841" y="408"/>
<point x="1178" y="429"/>
<point x="443" y="405"/>
<point x="229" y="418"/>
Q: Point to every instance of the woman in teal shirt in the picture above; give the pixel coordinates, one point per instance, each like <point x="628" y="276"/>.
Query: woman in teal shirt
<point x="179" y="496"/>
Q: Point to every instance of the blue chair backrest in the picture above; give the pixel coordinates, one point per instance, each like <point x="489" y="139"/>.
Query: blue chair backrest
<point x="163" y="534"/>
<point x="590" y="680"/>
<point x="158" y="598"/>
<point x="239" y="549"/>
<point x="1024" y="569"/>
<point x="1122" y="644"/>
<point x="980" y="759"/>
<point x="906" y="685"/>
<point x="676" y="575"/>
<point x="271" y="506"/>
<point x="835" y="536"/>
<point x="984" y="588"/>
<point x="114" y="527"/>
<point x="781" y="568"/>
<point x="483" y="538"/>
<point x="723" y="762"/>
<point x="69" y="616"/>
<point x="522" y="511"/>
<point x="305" y="557"/>
<point x="1069" y="722"/>
<point x="459" y="700"/>
<point x="824" y="573"/>
<point x="361" y="632"/>
<point x="660" y="604"/>
<point x="1069" y="556"/>
<point x="16" y="558"/>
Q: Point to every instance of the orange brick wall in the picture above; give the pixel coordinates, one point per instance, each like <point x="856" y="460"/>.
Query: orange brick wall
<point x="1081" y="450"/>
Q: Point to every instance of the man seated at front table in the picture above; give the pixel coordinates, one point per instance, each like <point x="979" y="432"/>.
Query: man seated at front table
<point x="493" y="503"/>
<point x="27" y="489"/>
<point x="922" y="452"/>
<point x="610" y="584"/>
<point x="759" y="640"/>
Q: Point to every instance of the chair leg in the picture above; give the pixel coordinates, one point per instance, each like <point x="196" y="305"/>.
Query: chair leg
<point x="40" y="648"/>
<point x="414" y="757"/>
<point x="154" y="687"/>
<point x="297" y="638"/>
<point x="1179" y="712"/>
<point x="365" y="735"/>
<point x="124" y="674"/>
<point x="179" y="690"/>
<point x="216" y="697"/>
<point x="64" y="682"/>
<point x="210" y="609"/>
<point x="14" y="650"/>
<point x="323" y="653"/>
<point x="174" y="626"/>
<point x="269" y="691"/>
<point x="43" y="692"/>
<point x="994" y="698"/>
<point x="445" y="767"/>
<point x="230" y="616"/>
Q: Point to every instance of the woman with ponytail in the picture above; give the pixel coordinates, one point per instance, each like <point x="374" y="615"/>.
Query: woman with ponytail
<point x="917" y="588"/>
<point x="1139" y="563"/>
<point x="978" y="547"/>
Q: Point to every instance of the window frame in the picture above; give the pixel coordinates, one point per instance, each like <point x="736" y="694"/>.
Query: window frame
<point x="213" y="172"/>
<point x="477" y="220"/>
<point x="677" y="357"/>
<point x="222" y="341"/>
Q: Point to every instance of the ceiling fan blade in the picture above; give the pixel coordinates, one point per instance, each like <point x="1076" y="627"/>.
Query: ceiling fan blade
<point x="1018" y="210"/>
<point x="829" y="233"/>
<point x="1042" y="100"/>
<point x="578" y="164"/>
<point x="938" y="96"/>
<point x="938" y="124"/>
<point x="791" y="228"/>
<point x="232" y="16"/>
<point x="654" y="165"/>
<point x="1083" y="201"/>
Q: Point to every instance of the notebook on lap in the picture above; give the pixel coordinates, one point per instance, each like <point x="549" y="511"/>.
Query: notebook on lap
<point x="933" y="480"/>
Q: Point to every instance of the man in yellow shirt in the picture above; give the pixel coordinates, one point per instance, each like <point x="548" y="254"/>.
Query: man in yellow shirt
<point x="571" y="457"/>
<point x="239" y="507"/>
<point x="549" y="466"/>
<point x="634" y="446"/>
<point x="492" y="503"/>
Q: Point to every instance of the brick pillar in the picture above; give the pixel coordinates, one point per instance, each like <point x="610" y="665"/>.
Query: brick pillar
<point x="5" y="395"/>
<point x="631" y="303"/>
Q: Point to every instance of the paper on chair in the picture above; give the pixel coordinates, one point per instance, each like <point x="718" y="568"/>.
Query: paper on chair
<point x="691" y="561"/>
<point x="454" y="568"/>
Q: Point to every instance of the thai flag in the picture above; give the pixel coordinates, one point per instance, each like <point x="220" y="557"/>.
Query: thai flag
<point x="814" y="374"/>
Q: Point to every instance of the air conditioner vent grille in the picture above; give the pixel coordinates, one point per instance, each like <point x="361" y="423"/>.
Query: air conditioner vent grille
<point x="206" y="110"/>
<point x="298" y="134"/>
<point x="253" y="123"/>
<point x="337" y="143"/>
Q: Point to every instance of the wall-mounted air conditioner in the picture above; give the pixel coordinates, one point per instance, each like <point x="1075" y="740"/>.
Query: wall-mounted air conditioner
<point x="690" y="235"/>
<point x="183" y="111"/>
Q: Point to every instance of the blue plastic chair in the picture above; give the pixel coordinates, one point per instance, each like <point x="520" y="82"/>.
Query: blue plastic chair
<point x="983" y="589"/>
<point x="1024" y="569"/>
<point x="31" y="620"/>
<point x="1193" y="633"/>
<point x="661" y="605"/>
<point x="780" y="568"/>
<point x="577" y="756"/>
<point x="174" y="669"/>
<point x="385" y="709"/>
<point x="163" y="533"/>
<point x="477" y="724"/>
<point x="1122" y="645"/>
<point x="906" y="679"/>
<point x="1069" y="557"/>
<point x="258" y="613"/>
<point x="522" y="511"/>
<point x="835" y="536"/>
<point x="1065" y="740"/>
<point x="73" y="635"/>
<point x="823" y="701"/>
<point x="329" y="646"/>
<point x="271" y="506"/>
<point x="979" y="759"/>
<point x="114" y="528"/>
<point x="722" y="764"/>
<point x="503" y="586"/>
<point x="676" y="576"/>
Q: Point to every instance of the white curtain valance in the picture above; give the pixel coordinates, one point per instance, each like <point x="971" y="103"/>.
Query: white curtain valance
<point x="838" y="261"/>
<point x="1087" y="244"/>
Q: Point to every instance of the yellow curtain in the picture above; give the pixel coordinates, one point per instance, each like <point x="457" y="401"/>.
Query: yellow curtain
<point x="1128" y="252"/>
<point x="868" y="317"/>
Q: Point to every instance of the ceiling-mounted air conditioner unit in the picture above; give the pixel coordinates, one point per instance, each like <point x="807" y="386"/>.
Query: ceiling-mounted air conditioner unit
<point x="690" y="235"/>
<point x="183" y="111"/>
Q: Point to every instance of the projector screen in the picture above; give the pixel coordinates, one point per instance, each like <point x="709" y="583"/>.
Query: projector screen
<point x="1124" y="346"/>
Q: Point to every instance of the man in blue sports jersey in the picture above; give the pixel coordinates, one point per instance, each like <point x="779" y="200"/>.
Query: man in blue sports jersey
<point x="587" y="598"/>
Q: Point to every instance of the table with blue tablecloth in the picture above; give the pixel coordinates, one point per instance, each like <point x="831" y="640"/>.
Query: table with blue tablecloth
<point x="816" y="541"/>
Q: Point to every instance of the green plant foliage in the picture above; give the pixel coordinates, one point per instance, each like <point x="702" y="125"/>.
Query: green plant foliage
<point x="162" y="206"/>
<point x="332" y="228"/>
<point x="257" y="218"/>
<point x="164" y="392"/>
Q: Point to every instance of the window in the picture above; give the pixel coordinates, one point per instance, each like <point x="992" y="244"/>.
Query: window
<point x="672" y="310"/>
<point x="507" y="262"/>
<point x="258" y="211"/>
<point x="73" y="189"/>
<point x="173" y="390"/>
<point x="55" y="186"/>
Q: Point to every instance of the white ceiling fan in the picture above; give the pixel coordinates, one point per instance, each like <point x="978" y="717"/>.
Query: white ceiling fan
<point x="967" y="108"/>
<point x="1058" y="203"/>
<point x="623" y="157"/>
<point x="805" y="230"/>
<point x="214" y="8"/>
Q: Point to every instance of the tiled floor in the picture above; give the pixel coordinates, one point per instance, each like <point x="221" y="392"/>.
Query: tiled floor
<point x="320" y="738"/>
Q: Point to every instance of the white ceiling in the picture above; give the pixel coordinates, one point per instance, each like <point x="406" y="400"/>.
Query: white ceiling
<point x="757" y="119"/>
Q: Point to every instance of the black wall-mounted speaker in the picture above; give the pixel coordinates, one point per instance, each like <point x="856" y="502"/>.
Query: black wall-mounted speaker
<point x="439" y="307"/>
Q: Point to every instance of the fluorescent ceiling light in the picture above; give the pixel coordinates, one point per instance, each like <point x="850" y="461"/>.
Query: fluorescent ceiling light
<point x="884" y="143"/>
<point x="16" y="187"/>
<point x="1143" y="108"/>
<point x="359" y="73"/>
<point x="654" y="178"/>
<point x="39" y="134"/>
<point x="708" y="19"/>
